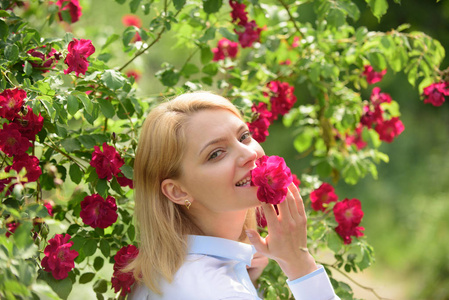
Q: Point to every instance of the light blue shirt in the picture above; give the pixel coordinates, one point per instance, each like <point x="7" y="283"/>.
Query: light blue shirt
<point x="215" y="268"/>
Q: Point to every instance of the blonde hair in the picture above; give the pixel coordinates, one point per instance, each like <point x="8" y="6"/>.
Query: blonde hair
<point x="162" y="225"/>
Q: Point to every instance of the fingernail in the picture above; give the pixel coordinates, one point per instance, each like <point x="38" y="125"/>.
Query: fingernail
<point x="249" y="234"/>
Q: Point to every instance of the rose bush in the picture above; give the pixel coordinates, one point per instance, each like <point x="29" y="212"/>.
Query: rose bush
<point x="70" y="117"/>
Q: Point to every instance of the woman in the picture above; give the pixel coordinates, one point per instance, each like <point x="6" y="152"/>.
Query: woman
<point x="195" y="209"/>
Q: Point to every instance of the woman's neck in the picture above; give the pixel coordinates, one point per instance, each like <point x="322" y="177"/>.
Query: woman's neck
<point x="228" y="225"/>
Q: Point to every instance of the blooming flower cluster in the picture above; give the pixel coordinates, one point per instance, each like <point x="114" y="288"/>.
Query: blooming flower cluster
<point x="282" y="99"/>
<point x="436" y="92"/>
<point x="347" y="213"/>
<point x="59" y="259"/>
<point x="272" y="177"/>
<point x="98" y="212"/>
<point x="248" y="31"/>
<point x="123" y="281"/>
<point x="76" y="59"/>
<point x="17" y="135"/>
<point x="374" y="115"/>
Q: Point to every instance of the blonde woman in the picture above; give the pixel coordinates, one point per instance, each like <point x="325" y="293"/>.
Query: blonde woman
<point x="195" y="209"/>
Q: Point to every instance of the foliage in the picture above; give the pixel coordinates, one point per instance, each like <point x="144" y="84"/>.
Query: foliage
<point x="88" y="111"/>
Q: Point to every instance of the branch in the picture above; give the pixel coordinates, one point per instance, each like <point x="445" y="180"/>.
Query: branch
<point x="290" y="16"/>
<point x="355" y="282"/>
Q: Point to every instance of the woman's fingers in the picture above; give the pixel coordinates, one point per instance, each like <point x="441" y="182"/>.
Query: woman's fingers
<point x="258" y="242"/>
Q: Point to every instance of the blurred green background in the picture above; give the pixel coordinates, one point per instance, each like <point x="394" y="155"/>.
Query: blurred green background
<point x="407" y="208"/>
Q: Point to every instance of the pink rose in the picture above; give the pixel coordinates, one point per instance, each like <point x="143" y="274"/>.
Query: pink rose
<point x="79" y="51"/>
<point x="225" y="48"/>
<point x="12" y="226"/>
<point x="47" y="59"/>
<point x="250" y="34"/>
<point x="434" y="93"/>
<point x="348" y="214"/>
<point x="59" y="259"/>
<point x="325" y="194"/>
<point x="11" y="141"/>
<point x="272" y="176"/>
<point x="98" y="212"/>
<point x="356" y="139"/>
<point x="11" y="101"/>
<point x="390" y="129"/>
<point x="377" y="97"/>
<point x="282" y="98"/>
<point x="73" y="6"/>
<point x="373" y="76"/>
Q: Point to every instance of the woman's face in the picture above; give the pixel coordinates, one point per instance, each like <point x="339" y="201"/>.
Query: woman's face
<point x="219" y="156"/>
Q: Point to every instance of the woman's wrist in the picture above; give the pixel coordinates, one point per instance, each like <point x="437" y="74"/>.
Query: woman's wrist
<point x="298" y="267"/>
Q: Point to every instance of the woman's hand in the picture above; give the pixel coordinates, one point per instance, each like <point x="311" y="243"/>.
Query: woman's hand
<point x="286" y="242"/>
<point x="258" y="264"/>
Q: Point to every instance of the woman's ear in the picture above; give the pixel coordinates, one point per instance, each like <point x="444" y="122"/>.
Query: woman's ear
<point x="174" y="191"/>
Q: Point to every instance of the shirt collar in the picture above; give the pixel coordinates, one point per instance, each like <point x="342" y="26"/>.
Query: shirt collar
<point x="222" y="248"/>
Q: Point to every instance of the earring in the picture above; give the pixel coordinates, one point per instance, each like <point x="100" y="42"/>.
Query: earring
<point x="188" y="203"/>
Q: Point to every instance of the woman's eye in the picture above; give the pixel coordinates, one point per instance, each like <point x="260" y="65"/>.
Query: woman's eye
<point x="215" y="154"/>
<point x="245" y="136"/>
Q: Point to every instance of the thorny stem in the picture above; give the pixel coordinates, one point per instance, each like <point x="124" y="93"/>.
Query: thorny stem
<point x="355" y="282"/>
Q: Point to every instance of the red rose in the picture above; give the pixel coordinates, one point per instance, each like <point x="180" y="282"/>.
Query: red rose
<point x="98" y="212"/>
<point x="47" y="59"/>
<point x="59" y="259"/>
<point x="373" y="76"/>
<point x="370" y="117"/>
<point x="11" y="101"/>
<point x="296" y="180"/>
<point x="123" y="281"/>
<point x="30" y="124"/>
<point x="323" y="195"/>
<point x="73" y="6"/>
<point x="131" y="20"/>
<point x="282" y="98"/>
<point x="259" y="129"/>
<point x="390" y="129"/>
<point x="11" y="141"/>
<point x="435" y="93"/>
<point x="250" y="34"/>
<point x="225" y="48"/>
<point x="30" y="163"/>
<point x="79" y="50"/>
<point x="124" y="181"/>
<point x="348" y="214"/>
<point x="12" y="226"/>
<point x="106" y="163"/>
<point x="272" y="176"/>
<point x="238" y="13"/>
<point x="49" y="206"/>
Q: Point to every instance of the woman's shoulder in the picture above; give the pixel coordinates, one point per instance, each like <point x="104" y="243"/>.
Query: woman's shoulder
<point x="201" y="277"/>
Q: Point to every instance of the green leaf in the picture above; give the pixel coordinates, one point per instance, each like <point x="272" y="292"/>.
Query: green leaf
<point x="11" y="52"/>
<point x="208" y="35"/>
<point x="72" y="104"/>
<point x="61" y="287"/>
<point x="75" y="173"/>
<point x="334" y="241"/>
<point x="134" y="5"/>
<point x="101" y="286"/>
<point x="106" y="107"/>
<point x="98" y="263"/>
<point x="206" y="54"/>
<point x="304" y="140"/>
<point x="169" y="76"/>
<point x="4" y="30"/>
<point x="71" y="144"/>
<point x="87" y="103"/>
<point x="86" y="277"/>
<point x="88" y="141"/>
<point x="90" y="247"/>
<point x="112" y="38"/>
<point x="102" y="187"/>
<point x="212" y="6"/>
<point x="131" y="232"/>
<point x="113" y="79"/>
<point x="179" y="4"/>
<point x="189" y="69"/>
<point x="127" y="171"/>
<point x="210" y="69"/>
<point x="227" y="34"/>
<point x="105" y="248"/>
<point x="22" y="237"/>
<point x="378" y="7"/>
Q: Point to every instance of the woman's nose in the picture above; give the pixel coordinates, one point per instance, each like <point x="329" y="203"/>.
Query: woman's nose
<point x="247" y="155"/>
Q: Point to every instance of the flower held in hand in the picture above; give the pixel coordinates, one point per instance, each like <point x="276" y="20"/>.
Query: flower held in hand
<point x="272" y="176"/>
